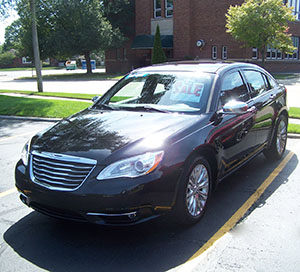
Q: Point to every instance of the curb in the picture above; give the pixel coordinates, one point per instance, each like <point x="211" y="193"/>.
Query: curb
<point x="25" y="118"/>
<point x="293" y="136"/>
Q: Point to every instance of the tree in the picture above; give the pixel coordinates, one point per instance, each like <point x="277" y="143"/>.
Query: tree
<point x="158" y="55"/>
<point x="261" y="23"/>
<point x="6" y="6"/>
<point x="80" y="28"/>
<point x="12" y="36"/>
<point x="7" y="58"/>
<point x="121" y="15"/>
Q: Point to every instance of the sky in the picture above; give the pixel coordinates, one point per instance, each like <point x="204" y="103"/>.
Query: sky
<point x="4" y="24"/>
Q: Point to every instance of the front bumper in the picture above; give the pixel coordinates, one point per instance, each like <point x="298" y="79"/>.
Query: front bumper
<point x="110" y="202"/>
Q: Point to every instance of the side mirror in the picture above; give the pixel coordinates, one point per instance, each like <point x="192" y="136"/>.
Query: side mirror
<point x="94" y="99"/>
<point x="235" y="107"/>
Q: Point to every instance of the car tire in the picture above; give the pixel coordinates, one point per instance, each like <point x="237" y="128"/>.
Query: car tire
<point x="278" y="144"/>
<point x="194" y="192"/>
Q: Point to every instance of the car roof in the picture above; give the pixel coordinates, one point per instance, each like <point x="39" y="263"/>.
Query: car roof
<point x="193" y="66"/>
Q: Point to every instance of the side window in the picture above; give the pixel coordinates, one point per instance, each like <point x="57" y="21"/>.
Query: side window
<point x="233" y="88"/>
<point x="256" y="82"/>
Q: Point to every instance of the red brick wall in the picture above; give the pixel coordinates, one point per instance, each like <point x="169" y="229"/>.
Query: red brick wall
<point x="182" y="28"/>
<point x="194" y="20"/>
<point x="143" y="15"/>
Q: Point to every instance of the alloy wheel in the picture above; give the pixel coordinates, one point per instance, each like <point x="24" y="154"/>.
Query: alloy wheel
<point x="197" y="190"/>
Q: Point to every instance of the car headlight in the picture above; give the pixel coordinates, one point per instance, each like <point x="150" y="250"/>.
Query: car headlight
<point x="25" y="153"/>
<point x="132" y="167"/>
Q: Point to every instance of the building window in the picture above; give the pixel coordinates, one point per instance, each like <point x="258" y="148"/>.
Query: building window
<point x="157" y="8"/>
<point x="279" y="54"/>
<point x="214" y="54"/>
<point x="254" y="53"/>
<point x="169" y="8"/>
<point x="224" y="52"/>
<point x="295" y="4"/>
<point x="273" y="53"/>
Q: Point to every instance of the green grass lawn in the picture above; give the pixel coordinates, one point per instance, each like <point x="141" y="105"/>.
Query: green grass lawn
<point x="284" y="76"/>
<point x="87" y="97"/>
<point x="294" y="128"/>
<point x="20" y="106"/>
<point x="294" y="112"/>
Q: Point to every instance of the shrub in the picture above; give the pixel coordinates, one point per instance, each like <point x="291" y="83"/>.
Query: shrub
<point x="6" y="59"/>
<point x="158" y="55"/>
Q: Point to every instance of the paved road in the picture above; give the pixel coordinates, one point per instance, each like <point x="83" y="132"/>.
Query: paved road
<point x="8" y="81"/>
<point x="267" y="239"/>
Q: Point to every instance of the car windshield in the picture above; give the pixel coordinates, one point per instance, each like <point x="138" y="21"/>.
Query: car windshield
<point x="164" y="92"/>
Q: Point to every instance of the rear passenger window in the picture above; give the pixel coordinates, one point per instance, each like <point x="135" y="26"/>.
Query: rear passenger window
<point x="256" y="82"/>
<point x="233" y="88"/>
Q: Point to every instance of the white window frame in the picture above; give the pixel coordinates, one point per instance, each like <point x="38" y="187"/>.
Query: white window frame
<point x="214" y="52"/>
<point x="168" y="9"/>
<point x="254" y="53"/>
<point x="224" y="52"/>
<point x="156" y="9"/>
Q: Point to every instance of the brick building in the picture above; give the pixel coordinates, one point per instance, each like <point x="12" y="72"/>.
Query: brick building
<point x="194" y="30"/>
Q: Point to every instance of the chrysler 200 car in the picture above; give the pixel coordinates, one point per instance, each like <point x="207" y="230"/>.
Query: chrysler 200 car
<point x="174" y="133"/>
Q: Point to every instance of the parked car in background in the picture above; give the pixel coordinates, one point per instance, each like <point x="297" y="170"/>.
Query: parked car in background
<point x="71" y="65"/>
<point x="176" y="131"/>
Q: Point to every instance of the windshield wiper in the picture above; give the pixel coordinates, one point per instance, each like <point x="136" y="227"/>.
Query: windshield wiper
<point x="144" y="108"/>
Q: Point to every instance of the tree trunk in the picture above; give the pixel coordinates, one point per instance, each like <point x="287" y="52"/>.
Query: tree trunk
<point x="36" y="51"/>
<point x="88" y="62"/>
<point x="262" y="51"/>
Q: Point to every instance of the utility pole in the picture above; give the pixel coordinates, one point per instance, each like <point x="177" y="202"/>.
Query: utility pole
<point x="36" y="50"/>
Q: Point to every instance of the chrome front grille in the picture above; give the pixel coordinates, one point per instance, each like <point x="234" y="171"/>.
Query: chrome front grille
<point x="59" y="172"/>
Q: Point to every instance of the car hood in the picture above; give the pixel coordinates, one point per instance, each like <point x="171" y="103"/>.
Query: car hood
<point x="97" y="134"/>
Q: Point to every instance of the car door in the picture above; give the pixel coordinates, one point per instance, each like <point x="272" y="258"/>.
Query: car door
<point x="234" y="138"/>
<point x="263" y="97"/>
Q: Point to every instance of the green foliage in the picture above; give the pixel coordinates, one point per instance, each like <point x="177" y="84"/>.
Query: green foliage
<point x="121" y="15"/>
<point x="158" y="54"/>
<point x="7" y="58"/>
<point x="261" y="23"/>
<point x="65" y="28"/>
<point x="6" y="6"/>
<point x="12" y="36"/>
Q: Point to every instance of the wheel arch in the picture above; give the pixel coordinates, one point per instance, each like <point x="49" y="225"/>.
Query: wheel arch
<point x="210" y="154"/>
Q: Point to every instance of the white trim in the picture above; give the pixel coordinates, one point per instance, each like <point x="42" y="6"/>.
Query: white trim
<point x="254" y="53"/>
<point x="168" y="9"/>
<point x="224" y="52"/>
<point x="214" y="52"/>
<point x="156" y="9"/>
